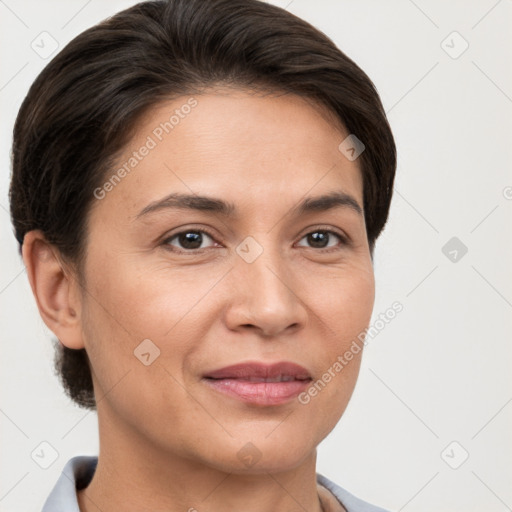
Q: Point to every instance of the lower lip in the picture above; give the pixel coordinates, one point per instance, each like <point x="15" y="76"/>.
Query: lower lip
<point x="260" y="393"/>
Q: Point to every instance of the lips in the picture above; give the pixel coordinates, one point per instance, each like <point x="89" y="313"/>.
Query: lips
<point x="260" y="384"/>
<point x="260" y="372"/>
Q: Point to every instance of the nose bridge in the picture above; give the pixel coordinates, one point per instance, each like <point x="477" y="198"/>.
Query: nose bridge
<point x="263" y="265"/>
<point x="268" y="298"/>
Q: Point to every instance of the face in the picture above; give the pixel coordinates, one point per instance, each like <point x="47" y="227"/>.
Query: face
<point x="263" y="282"/>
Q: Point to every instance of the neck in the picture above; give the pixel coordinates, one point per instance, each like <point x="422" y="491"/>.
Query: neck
<point x="135" y="476"/>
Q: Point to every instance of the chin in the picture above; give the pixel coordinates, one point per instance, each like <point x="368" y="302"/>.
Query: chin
<point x="259" y="452"/>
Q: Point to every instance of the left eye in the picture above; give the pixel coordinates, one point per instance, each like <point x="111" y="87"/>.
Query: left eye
<point x="321" y="238"/>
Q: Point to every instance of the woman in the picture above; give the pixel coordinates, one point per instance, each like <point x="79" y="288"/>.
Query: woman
<point x="197" y="191"/>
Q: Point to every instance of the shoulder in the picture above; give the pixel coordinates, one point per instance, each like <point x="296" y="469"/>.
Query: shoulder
<point x="349" y="501"/>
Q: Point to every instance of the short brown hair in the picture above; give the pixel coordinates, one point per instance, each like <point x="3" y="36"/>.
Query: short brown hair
<point x="84" y="106"/>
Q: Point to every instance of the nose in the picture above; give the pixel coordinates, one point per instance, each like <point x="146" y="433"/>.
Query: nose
<point x="265" y="296"/>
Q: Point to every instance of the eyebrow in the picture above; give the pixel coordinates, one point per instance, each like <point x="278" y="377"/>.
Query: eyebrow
<point x="212" y="204"/>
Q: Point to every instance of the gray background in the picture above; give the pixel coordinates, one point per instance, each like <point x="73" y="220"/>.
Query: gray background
<point x="435" y="383"/>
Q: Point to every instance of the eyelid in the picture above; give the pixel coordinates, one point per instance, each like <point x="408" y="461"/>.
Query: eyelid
<point x="329" y="229"/>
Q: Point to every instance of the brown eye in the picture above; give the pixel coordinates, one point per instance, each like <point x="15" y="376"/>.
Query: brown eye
<point x="321" y="239"/>
<point x="188" y="240"/>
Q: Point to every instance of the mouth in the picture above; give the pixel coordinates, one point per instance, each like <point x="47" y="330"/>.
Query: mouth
<point x="260" y="384"/>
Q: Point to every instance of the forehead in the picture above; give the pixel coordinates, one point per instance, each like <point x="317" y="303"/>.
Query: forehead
<point x="241" y="145"/>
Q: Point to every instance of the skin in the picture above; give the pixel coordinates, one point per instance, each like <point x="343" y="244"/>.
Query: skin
<point x="168" y="441"/>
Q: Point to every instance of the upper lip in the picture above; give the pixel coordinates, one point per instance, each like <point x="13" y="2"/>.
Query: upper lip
<point x="259" y="370"/>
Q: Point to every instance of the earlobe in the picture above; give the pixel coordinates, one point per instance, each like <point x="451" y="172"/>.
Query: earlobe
<point x="55" y="289"/>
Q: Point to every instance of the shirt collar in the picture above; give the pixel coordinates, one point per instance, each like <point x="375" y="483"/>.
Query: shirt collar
<point x="79" y="470"/>
<point x="77" y="474"/>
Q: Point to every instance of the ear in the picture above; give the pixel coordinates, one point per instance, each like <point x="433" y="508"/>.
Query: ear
<point x="55" y="289"/>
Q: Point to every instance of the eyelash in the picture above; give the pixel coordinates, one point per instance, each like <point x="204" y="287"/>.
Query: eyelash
<point x="343" y="240"/>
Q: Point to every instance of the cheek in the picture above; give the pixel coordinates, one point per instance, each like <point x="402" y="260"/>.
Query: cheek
<point x="344" y="303"/>
<point x="132" y="311"/>
<point x="141" y="303"/>
<point x="120" y="312"/>
<point x="126" y="305"/>
<point x="344" y="308"/>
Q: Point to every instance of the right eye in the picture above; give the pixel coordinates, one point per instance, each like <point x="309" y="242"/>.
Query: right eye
<point x="189" y="239"/>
